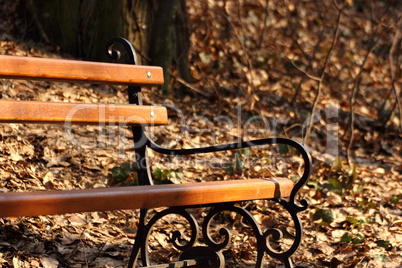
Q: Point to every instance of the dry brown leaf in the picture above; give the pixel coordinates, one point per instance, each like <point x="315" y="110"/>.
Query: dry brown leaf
<point x="48" y="262"/>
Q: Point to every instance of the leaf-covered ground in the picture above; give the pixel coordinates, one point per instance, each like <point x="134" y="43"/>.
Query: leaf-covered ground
<point x="257" y="68"/>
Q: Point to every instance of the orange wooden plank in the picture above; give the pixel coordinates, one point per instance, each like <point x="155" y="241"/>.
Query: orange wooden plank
<point x="16" y="204"/>
<point x="80" y="113"/>
<point x="16" y="67"/>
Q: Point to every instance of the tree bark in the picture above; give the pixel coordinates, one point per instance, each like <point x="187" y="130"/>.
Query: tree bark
<point x="159" y="30"/>
<point x="170" y="40"/>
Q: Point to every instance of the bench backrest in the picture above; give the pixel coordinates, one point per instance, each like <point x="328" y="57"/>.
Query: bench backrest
<point x="59" y="70"/>
<point x="30" y="68"/>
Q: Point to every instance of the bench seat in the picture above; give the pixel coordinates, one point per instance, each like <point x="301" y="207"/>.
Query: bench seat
<point x="16" y="204"/>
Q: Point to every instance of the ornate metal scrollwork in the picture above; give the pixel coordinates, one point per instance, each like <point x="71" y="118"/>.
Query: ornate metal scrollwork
<point x="145" y="228"/>
<point x="210" y="254"/>
<point x="262" y="238"/>
<point x="115" y="54"/>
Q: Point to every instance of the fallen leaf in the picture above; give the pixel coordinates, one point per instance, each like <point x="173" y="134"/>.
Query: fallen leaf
<point x="49" y="262"/>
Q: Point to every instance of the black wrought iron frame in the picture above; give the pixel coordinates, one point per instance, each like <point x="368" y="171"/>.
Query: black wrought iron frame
<point x="209" y="255"/>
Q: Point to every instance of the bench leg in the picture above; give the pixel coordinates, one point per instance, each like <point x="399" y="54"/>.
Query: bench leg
<point x="139" y="240"/>
<point x="210" y="254"/>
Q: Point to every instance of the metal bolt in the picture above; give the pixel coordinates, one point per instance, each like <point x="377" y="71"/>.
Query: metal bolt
<point x="149" y="74"/>
<point x="152" y="114"/>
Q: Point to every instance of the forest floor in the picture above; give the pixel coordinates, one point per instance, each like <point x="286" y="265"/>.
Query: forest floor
<point x="256" y="71"/>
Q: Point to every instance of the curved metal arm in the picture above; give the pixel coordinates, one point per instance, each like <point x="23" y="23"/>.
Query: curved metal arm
<point x="247" y="144"/>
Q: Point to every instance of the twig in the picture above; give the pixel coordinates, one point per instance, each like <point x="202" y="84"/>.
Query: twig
<point x="293" y="31"/>
<point x="316" y="78"/>
<point x="394" y="70"/>
<point x="305" y="55"/>
<point x="192" y="87"/>
<point x="309" y="65"/>
<point x="251" y="90"/>
<point x="321" y="79"/>
<point x="356" y="86"/>
<point x="246" y="55"/>
<point x="264" y="27"/>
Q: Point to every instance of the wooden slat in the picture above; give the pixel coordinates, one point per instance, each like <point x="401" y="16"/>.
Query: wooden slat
<point x="15" y="204"/>
<point x="16" y="67"/>
<point x="80" y="113"/>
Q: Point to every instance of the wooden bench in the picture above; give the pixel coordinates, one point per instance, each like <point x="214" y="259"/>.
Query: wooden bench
<point x="220" y="195"/>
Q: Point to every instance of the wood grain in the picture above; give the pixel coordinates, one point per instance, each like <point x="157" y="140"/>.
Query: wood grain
<point x="16" y="204"/>
<point x="80" y="113"/>
<point x="16" y="67"/>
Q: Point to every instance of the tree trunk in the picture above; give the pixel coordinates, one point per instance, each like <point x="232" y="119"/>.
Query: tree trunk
<point x="170" y="40"/>
<point x="158" y="29"/>
<point x="79" y="27"/>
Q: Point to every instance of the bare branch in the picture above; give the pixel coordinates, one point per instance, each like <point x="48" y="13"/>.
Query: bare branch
<point x="193" y="88"/>
<point x="321" y="79"/>
<point x="356" y="86"/>
<point x="264" y="26"/>
<point x="305" y="72"/>
<point x="394" y="67"/>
